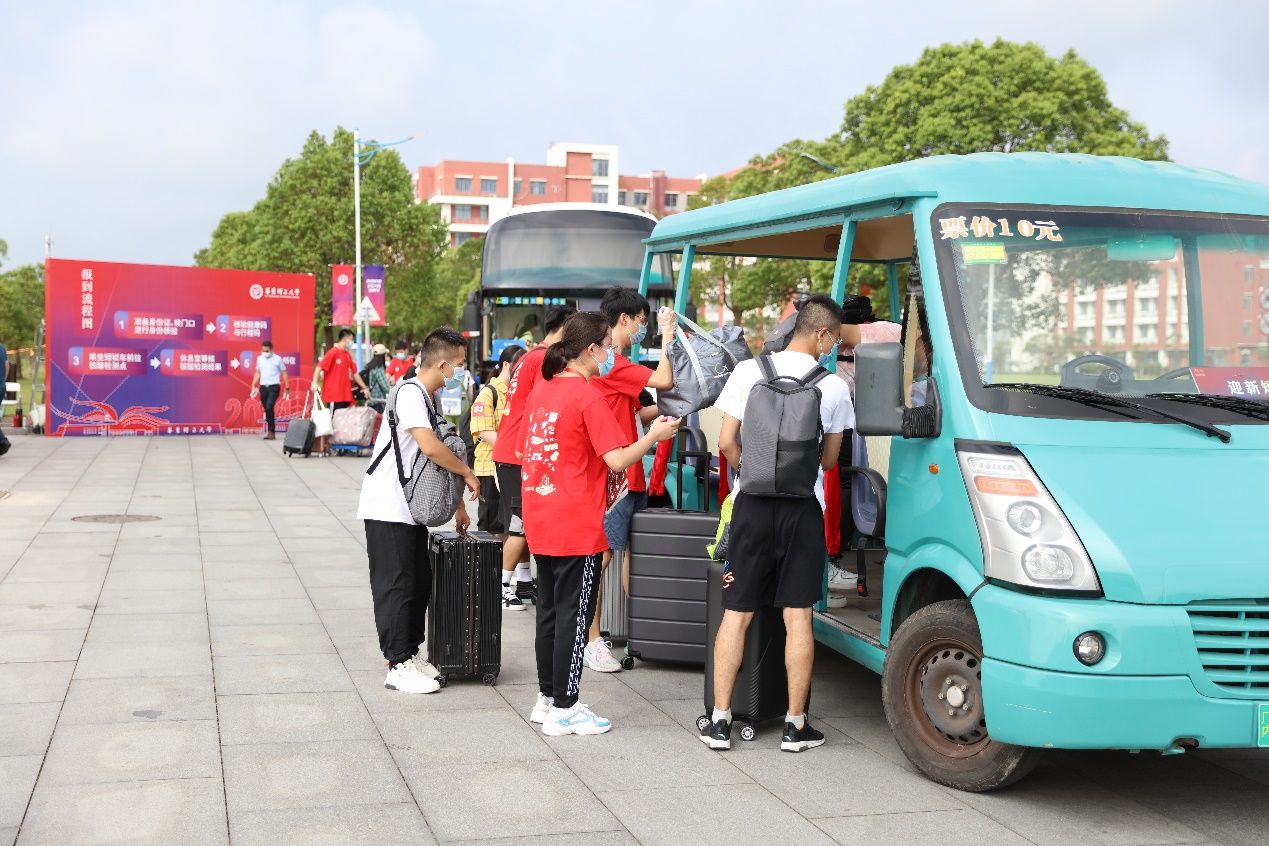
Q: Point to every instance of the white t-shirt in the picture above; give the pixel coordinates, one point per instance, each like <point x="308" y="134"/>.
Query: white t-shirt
<point x="381" y="494"/>
<point x="836" y="411"/>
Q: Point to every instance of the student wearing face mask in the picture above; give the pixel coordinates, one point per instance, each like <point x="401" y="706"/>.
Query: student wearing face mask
<point x="572" y="440"/>
<point x="621" y="382"/>
<point x="400" y="362"/>
<point x="269" y="379"/>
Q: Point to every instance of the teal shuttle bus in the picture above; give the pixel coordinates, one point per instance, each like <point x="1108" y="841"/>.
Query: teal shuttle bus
<point x="1073" y="443"/>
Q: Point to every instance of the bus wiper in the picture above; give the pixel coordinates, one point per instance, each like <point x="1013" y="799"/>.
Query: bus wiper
<point x="1238" y="405"/>
<point x="1097" y="399"/>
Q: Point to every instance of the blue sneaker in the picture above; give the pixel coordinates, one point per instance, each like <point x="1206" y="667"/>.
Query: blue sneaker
<point x="576" y="720"/>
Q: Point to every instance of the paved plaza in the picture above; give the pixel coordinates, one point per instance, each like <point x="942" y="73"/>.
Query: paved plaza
<point x="213" y="676"/>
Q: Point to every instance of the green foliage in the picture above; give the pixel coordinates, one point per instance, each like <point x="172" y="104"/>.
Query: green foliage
<point x="455" y="275"/>
<point x="304" y="224"/>
<point x="21" y="304"/>
<point x="956" y="98"/>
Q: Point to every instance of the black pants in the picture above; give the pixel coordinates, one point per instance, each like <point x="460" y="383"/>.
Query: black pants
<point x="269" y="398"/>
<point x="566" y="595"/>
<point x="401" y="584"/>
<point x="487" y="516"/>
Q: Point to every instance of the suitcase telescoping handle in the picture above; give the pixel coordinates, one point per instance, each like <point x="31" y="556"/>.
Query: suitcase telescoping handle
<point x="702" y="479"/>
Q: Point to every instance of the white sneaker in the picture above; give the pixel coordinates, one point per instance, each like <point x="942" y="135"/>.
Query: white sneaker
<point x="841" y="581"/>
<point x="576" y="720"/>
<point x="511" y="602"/>
<point x="541" y="708"/>
<point x="425" y="667"/>
<point x="598" y="656"/>
<point x="408" y="678"/>
<point x="837" y="600"/>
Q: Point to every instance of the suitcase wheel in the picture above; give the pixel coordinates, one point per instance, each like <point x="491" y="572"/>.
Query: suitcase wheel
<point x="442" y="680"/>
<point x="702" y="722"/>
<point x="627" y="663"/>
<point x="489" y="678"/>
<point x="746" y="732"/>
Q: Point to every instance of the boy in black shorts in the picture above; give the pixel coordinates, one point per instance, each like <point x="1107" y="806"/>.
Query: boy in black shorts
<point x="776" y="551"/>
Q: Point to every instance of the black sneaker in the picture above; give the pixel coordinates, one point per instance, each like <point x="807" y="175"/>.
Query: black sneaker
<point x="717" y="735"/>
<point x="800" y="739"/>
<point x="527" y="591"/>
<point x="511" y="602"/>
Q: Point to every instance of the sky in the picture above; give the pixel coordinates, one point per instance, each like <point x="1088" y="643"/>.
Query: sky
<point x="128" y="128"/>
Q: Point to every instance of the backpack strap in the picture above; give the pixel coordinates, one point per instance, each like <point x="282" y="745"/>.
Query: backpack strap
<point x="767" y="366"/>
<point x="814" y="375"/>
<point x="392" y="429"/>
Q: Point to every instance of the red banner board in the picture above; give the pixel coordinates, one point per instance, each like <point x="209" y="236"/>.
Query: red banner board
<point x="1248" y="382"/>
<point x="343" y="295"/>
<point x="372" y="280"/>
<point x="136" y="349"/>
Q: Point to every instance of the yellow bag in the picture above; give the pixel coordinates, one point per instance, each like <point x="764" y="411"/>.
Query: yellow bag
<point x="718" y="549"/>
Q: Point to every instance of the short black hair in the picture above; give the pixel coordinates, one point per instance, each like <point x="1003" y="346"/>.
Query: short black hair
<point x="268" y="344"/>
<point x="403" y="344"/>
<point x="556" y="316"/>
<point x="442" y="342"/>
<point x="510" y="354"/>
<point x="818" y="312"/>
<point x="619" y="301"/>
<point x="344" y="333"/>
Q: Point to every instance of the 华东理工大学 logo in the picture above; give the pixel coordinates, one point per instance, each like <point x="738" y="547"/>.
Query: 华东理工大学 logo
<point x="256" y="291"/>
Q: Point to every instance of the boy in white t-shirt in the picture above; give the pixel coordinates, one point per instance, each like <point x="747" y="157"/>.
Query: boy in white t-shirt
<point x="400" y="572"/>
<point x="776" y="551"/>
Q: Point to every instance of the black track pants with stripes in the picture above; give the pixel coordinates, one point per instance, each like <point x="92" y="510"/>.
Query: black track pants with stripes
<point x="566" y="596"/>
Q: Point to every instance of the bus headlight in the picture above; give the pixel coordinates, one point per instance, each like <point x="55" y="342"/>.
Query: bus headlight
<point x="1027" y="540"/>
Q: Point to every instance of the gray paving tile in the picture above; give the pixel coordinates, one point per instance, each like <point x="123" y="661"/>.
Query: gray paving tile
<point x="136" y="562"/>
<point x="286" y="587"/>
<point x="143" y="660"/>
<point x="486" y="736"/>
<point x="275" y="639"/>
<point x="17" y="780"/>
<point x="50" y="593"/>
<point x="280" y="674"/>
<point x="294" y="718"/>
<point x="83" y="568"/>
<point x="348" y="622"/>
<point x="155" y="813"/>
<point x="8" y="834"/>
<point x="274" y="776"/>
<point x="654" y="682"/>
<point x="50" y="645"/>
<point x="151" y="601"/>
<point x="44" y="681"/>
<point x="356" y="598"/>
<point x="512" y="799"/>
<point x="92" y="754"/>
<point x="260" y="612"/>
<point x="629" y="758"/>
<point x="348" y="825"/>
<point x="929" y="828"/>
<point x="188" y="627"/>
<point x="589" y="838"/>
<point x="130" y="580"/>
<point x="322" y="577"/>
<point x="458" y="696"/>
<point x="139" y="700"/>
<point x="40" y="617"/>
<point x="725" y="815"/>
<point x="360" y="653"/>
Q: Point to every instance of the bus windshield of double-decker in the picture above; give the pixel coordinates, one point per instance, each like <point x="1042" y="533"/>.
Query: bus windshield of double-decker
<point x="1125" y="303"/>
<point x="569" y="249"/>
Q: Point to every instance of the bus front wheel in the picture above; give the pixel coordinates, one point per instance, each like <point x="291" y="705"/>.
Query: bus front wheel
<point x="932" y="691"/>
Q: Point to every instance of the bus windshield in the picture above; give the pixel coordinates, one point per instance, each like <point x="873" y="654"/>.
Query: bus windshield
<point x="1121" y="302"/>
<point x="569" y="249"/>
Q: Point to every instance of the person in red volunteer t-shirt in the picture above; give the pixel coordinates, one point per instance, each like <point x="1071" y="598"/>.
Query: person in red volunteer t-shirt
<point x="571" y="441"/>
<point x="333" y="378"/>
<point x="506" y="456"/>
<point x="399" y="364"/>
<point x="621" y="382"/>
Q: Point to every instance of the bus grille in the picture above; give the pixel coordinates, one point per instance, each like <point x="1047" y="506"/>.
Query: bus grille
<point x="1232" y="639"/>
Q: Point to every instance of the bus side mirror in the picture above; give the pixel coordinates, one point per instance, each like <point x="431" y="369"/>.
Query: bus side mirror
<point x="879" y="389"/>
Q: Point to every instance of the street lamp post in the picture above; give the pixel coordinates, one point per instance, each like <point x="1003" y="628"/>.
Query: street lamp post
<point x="362" y="154"/>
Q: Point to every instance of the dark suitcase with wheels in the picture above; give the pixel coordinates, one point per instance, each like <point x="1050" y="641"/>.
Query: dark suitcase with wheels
<point x="464" y="618"/>
<point x="299" y="437"/>
<point x="761" y="692"/>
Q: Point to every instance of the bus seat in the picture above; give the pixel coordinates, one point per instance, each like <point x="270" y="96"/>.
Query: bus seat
<point x="867" y="500"/>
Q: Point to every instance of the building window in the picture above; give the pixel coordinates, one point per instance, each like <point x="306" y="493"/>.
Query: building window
<point x="641" y="198"/>
<point x="519" y="187"/>
<point x="599" y="167"/>
<point x="1247" y="302"/>
<point x="598" y="193"/>
<point x="1249" y="273"/>
<point x="461" y="238"/>
<point x="1246" y="328"/>
<point x="488" y="186"/>
<point x="621" y="198"/>
<point x="484" y="213"/>
<point x="671" y="201"/>
<point x="537" y="187"/>
<point x="462" y="212"/>
<point x="462" y="184"/>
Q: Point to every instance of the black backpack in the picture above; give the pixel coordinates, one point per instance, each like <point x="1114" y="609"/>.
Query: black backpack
<point x="782" y="434"/>
<point x="464" y="423"/>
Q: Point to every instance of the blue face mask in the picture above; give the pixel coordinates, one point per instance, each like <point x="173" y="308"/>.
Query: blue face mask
<point x="829" y="359"/>
<point x="637" y="336"/>
<point x="606" y="366"/>
<point x="456" y="381"/>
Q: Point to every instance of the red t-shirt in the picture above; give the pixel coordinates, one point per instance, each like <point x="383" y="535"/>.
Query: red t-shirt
<point x="620" y="389"/>
<point x="527" y="373"/>
<point x="396" y="369"/>
<point x="565" y="480"/>
<point x="337" y="369"/>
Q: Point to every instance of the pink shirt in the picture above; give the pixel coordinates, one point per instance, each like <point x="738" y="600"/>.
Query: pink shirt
<point x="877" y="332"/>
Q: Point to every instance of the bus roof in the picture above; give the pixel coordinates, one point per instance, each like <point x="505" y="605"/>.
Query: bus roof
<point x="1043" y="178"/>
<point x="599" y="207"/>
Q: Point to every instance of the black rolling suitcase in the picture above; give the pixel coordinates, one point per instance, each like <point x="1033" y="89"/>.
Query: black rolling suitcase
<point x="299" y="437"/>
<point x="761" y="692"/>
<point x="464" y="618"/>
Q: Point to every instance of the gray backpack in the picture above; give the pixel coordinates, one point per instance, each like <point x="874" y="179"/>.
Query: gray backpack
<point x="431" y="491"/>
<point x="781" y="434"/>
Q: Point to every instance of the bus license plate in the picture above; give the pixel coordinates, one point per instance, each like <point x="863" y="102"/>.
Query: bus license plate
<point x="1262" y="725"/>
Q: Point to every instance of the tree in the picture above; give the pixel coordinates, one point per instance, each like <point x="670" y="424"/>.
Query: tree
<point x="21" y="304"/>
<point x="956" y="98"/>
<point x="304" y="224"/>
